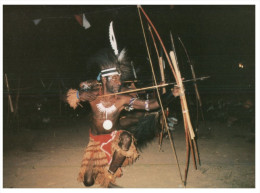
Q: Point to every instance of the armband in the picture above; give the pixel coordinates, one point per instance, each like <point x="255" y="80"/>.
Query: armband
<point x="77" y="94"/>
<point x="131" y="103"/>
<point x="146" y="105"/>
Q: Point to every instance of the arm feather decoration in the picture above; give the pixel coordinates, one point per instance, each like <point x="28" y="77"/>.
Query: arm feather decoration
<point x="72" y="98"/>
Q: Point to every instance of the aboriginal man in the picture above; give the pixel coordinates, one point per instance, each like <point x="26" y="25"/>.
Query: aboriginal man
<point x="109" y="148"/>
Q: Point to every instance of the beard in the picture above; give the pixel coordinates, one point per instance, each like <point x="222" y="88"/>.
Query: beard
<point x="114" y="89"/>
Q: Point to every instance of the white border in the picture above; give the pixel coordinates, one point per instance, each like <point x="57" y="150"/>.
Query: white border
<point x="129" y="2"/>
<point x="161" y="2"/>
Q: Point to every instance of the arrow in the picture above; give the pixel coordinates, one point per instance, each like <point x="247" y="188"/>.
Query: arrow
<point x="154" y="87"/>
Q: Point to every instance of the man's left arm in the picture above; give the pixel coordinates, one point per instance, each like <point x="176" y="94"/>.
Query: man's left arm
<point x="153" y="104"/>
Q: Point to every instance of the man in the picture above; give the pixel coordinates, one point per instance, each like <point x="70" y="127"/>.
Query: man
<point x="109" y="148"/>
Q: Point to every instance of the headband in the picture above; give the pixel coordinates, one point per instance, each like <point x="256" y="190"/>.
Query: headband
<point x="109" y="72"/>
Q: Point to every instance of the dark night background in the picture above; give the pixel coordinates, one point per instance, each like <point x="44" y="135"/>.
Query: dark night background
<point x="56" y="50"/>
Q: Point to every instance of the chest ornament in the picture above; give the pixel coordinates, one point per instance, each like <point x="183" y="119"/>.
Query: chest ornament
<point x="107" y="124"/>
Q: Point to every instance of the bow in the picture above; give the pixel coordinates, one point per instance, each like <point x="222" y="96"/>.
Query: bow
<point x="173" y="64"/>
<point x="155" y="81"/>
<point x="160" y="62"/>
<point x="195" y="83"/>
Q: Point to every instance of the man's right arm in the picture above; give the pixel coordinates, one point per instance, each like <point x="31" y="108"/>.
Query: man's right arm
<point x="74" y="96"/>
<point x="89" y="95"/>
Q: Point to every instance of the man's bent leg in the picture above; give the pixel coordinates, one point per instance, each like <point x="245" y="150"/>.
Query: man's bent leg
<point x="118" y="159"/>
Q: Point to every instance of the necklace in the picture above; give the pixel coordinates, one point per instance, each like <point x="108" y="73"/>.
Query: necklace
<point x="107" y="124"/>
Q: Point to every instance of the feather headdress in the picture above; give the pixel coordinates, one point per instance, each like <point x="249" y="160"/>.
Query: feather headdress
<point x="112" y="58"/>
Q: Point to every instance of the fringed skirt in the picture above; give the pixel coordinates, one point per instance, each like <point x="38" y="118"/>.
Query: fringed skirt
<point x="98" y="156"/>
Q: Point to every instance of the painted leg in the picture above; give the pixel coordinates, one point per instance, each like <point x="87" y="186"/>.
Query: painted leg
<point x="118" y="159"/>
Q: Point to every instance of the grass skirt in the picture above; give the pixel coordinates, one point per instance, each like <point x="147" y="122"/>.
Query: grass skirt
<point x="96" y="160"/>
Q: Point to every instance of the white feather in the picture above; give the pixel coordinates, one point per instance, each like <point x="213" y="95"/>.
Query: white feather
<point x="122" y="55"/>
<point x="112" y="38"/>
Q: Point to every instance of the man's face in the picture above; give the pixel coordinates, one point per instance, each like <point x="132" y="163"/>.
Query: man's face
<point x="114" y="83"/>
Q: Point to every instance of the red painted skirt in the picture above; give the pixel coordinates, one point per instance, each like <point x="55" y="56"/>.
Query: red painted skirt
<point x="98" y="156"/>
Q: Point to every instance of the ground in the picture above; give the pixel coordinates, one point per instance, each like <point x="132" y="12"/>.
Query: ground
<point x="51" y="158"/>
